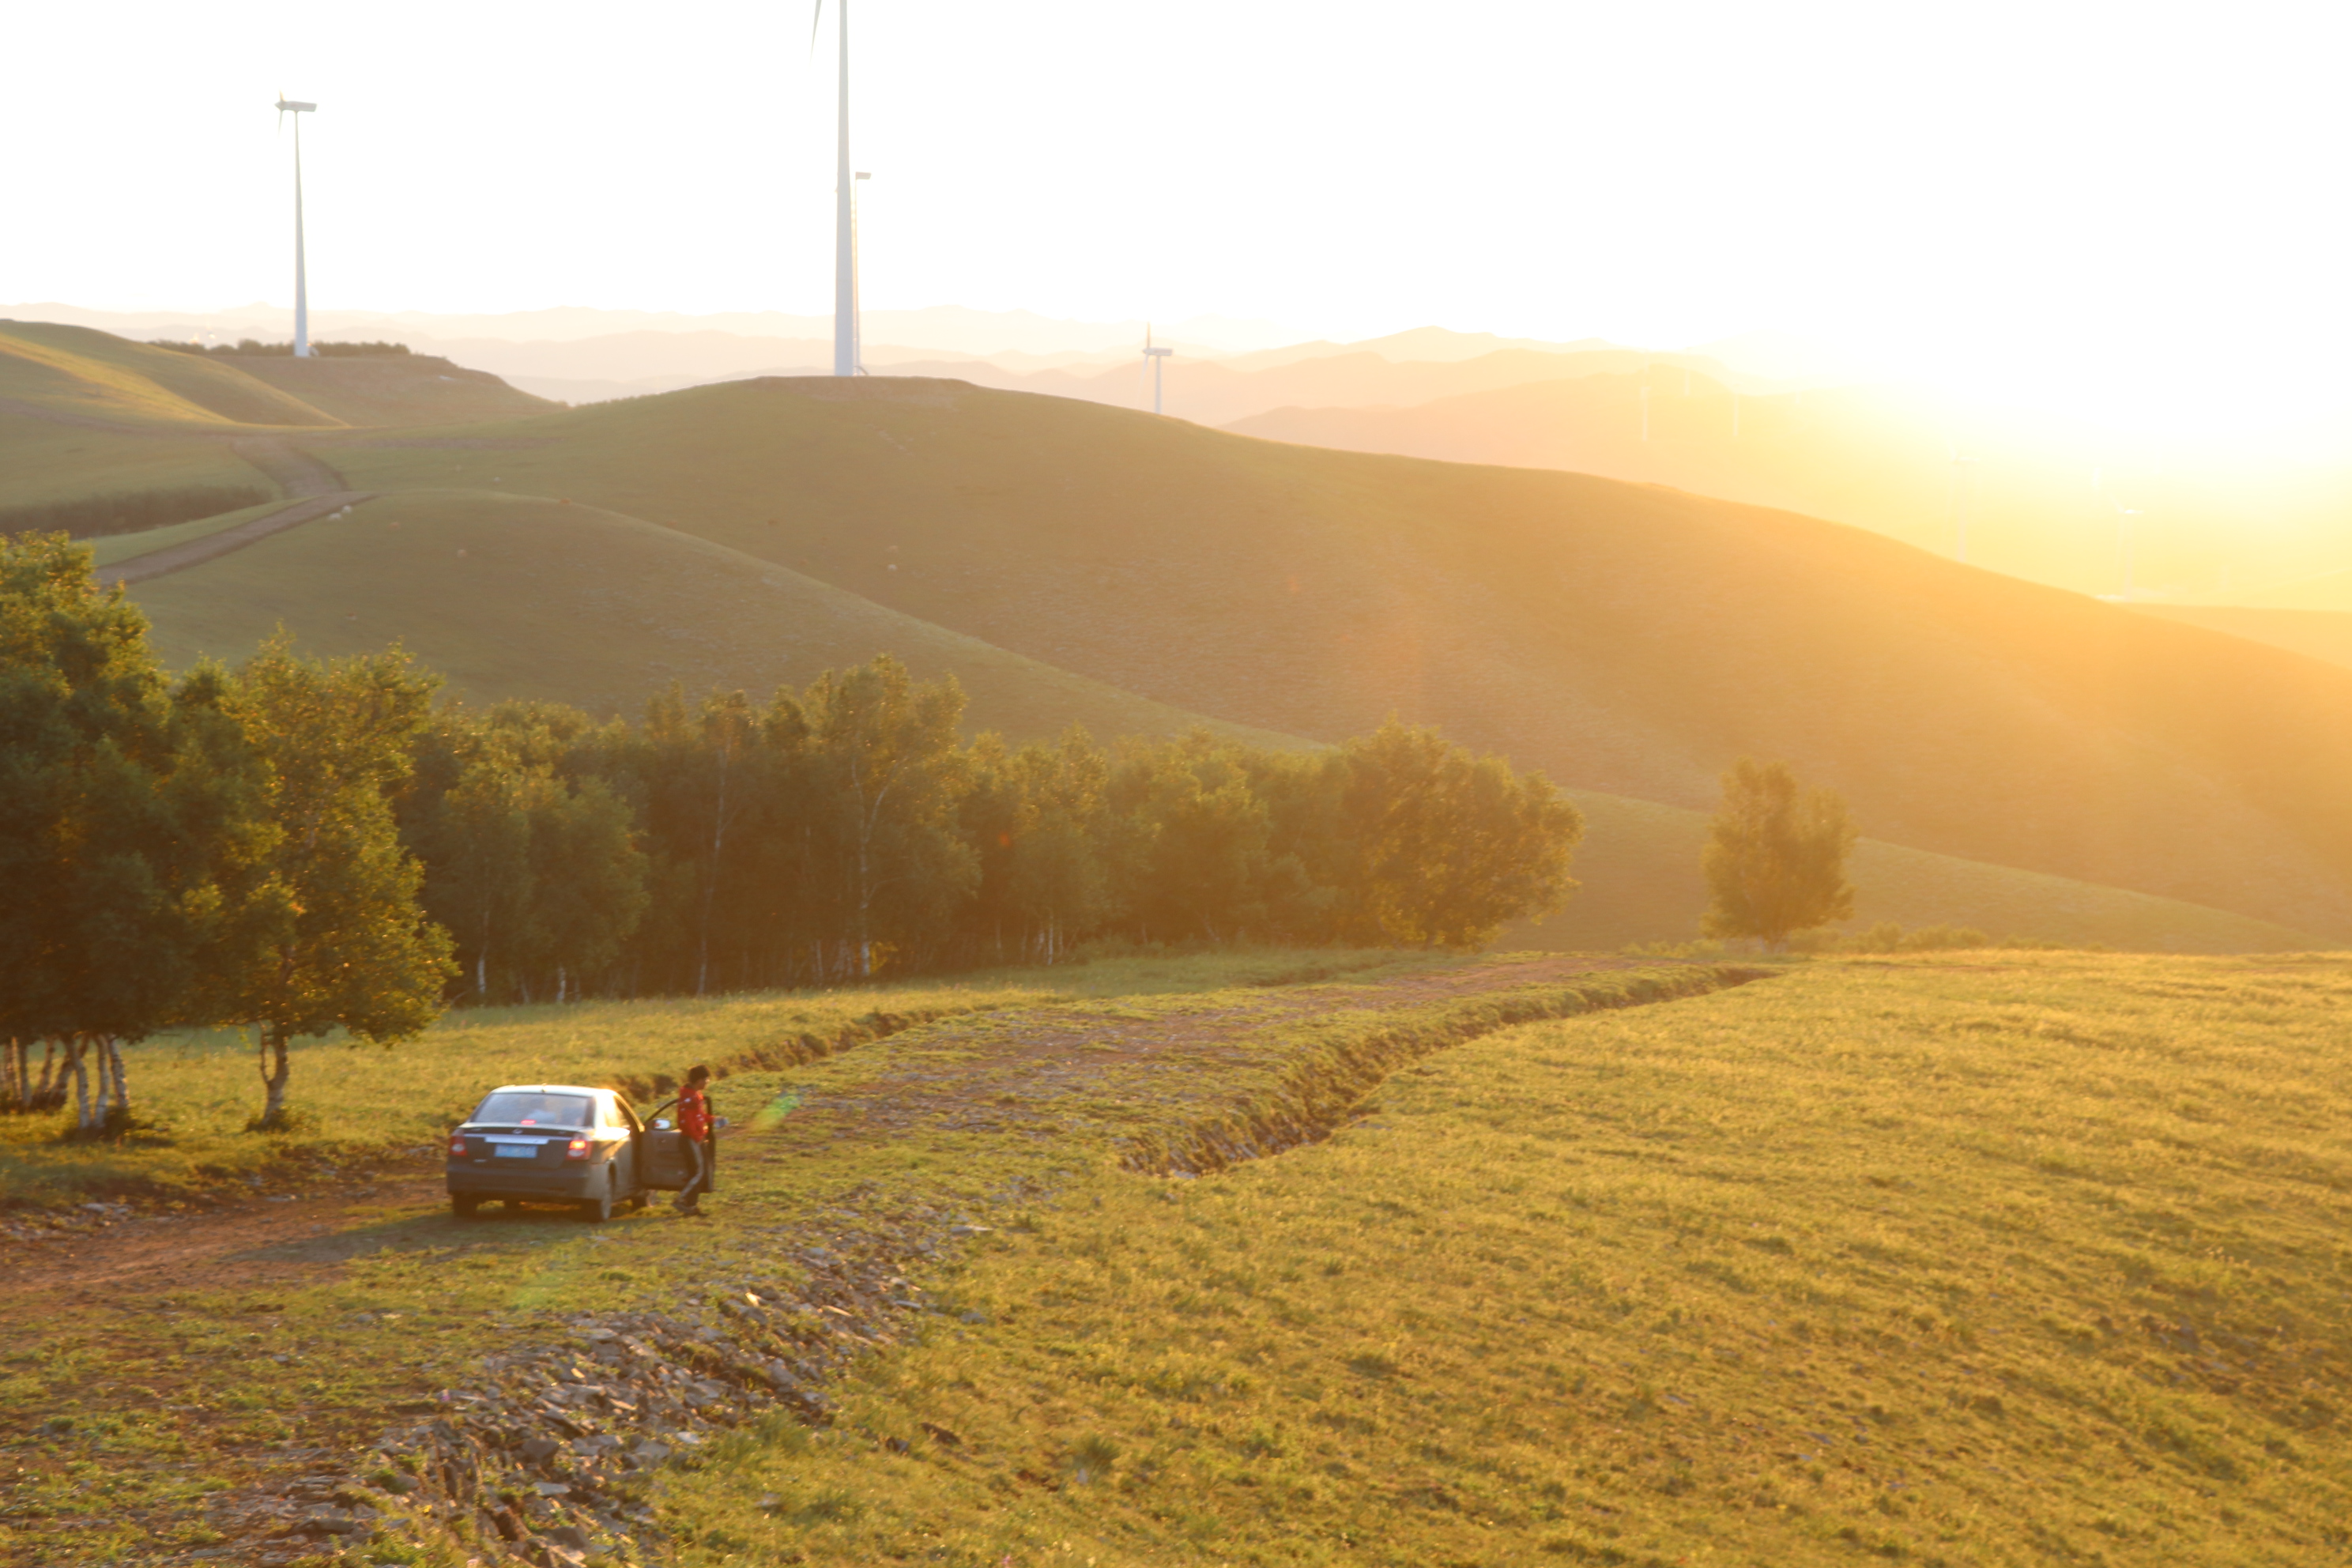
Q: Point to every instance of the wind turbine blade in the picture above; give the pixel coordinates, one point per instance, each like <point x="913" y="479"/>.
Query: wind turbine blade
<point x="813" y="20"/>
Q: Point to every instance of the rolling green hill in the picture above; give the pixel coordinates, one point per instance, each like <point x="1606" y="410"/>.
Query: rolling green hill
<point x="1627" y="640"/>
<point x="1639" y="867"/>
<point x="92" y="375"/>
<point x="1083" y="562"/>
<point x="2030" y="1260"/>
<point x="78" y="371"/>
<point x="51" y="459"/>
<point x="521" y="597"/>
<point x="394" y="389"/>
<point x="517" y="596"/>
<point x="2042" y="495"/>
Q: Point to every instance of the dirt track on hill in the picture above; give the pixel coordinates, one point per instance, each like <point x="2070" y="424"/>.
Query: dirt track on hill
<point x="212" y="546"/>
<point x="1018" y="1078"/>
<point x="313" y="488"/>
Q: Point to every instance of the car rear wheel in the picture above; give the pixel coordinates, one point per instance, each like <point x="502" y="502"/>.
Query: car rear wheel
<point x="598" y="1210"/>
<point x="463" y="1205"/>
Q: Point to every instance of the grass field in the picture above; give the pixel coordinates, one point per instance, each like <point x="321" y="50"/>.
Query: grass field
<point x="1639" y="867"/>
<point x="95" y="375"/>
<point x="43" y="461"/>
<point x="393" y="390"/>
<point x="114" y="548"/>
<point x="195" y="1093"/>
<point x="2023" y="1259"/>
<point x="1993" y="1259"/>
<point x="524" y="597"/>
<point x="127" y="1398"/>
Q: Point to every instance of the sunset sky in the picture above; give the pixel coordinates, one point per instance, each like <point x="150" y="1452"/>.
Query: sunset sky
<point x="2128" y="211"/>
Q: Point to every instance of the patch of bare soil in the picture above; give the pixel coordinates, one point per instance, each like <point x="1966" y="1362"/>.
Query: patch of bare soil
<point x="127" y="1253"/>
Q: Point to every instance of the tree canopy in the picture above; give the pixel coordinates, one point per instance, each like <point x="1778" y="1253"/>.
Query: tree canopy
<point x="1775" y="858"/>
<point x="336" y="936"/>
<point x="308" y="847"/>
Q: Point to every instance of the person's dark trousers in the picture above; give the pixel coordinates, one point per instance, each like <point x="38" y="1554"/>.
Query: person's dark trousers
<point x="699" y="1173"/>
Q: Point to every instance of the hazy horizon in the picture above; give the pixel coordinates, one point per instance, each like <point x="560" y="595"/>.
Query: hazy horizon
<point x="2115" y="221"/>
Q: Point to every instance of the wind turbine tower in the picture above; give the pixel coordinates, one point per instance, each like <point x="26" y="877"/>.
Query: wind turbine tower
<point x="845" y="344"/>
<point x="287" y="106"/>
<point x="1153" y="357"/>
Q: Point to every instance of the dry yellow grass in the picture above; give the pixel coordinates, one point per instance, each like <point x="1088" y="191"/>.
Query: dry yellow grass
<point x="2021" y="1259"/>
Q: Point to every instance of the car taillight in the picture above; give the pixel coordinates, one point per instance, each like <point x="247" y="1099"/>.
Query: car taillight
<point x="577" y="1149"/>
<point x="457" y="1145"/>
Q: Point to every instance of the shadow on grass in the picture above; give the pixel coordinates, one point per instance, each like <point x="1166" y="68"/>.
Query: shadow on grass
<point x="504" y="1229"/>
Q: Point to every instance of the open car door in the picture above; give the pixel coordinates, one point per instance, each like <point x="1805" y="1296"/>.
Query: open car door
<point x="663" y="1162"/>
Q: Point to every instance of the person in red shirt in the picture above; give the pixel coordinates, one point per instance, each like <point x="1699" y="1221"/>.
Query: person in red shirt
<point x="694" y="1120"/>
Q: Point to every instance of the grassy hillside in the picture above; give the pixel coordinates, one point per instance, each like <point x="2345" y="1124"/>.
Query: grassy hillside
<point x="574" y="604"/>
<point x="394" y="389"/>
<point x="2014" y="1261"/>
<point x="1627" y="640"/>
<point x="95" y="375"/>
<point x="2316" y="634"/>
<point x="2042" y="494"/>
<point x="1639" y="871"/>
<point x="517" y="596"/>
<point x="44" y="460"/>
<point x="110" y="549"/>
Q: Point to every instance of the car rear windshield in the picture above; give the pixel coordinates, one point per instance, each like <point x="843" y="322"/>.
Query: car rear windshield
<point x="527" y="1108"/>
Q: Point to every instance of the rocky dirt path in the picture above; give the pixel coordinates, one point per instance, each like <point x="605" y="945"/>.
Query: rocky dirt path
<point x="546" y="1452"/>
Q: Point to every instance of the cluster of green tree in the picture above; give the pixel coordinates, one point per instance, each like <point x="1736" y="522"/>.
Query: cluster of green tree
<point x="846" y="829"/>
<point x="215" y="849"/>
<point x="131" y="511"/>
<point x="300" y="846"/>
<point x="254" y="347"/>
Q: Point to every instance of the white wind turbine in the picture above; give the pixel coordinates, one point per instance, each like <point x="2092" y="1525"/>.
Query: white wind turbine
<point x="1152" y="362"/>
<point x="287" y="106"/>
<point x="847" y="347"/>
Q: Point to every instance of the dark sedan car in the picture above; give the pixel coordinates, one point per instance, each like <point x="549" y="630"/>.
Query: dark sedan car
<point x="559" y="1143"/>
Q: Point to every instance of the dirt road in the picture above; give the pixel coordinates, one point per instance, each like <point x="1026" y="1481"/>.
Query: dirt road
<point x="1025" y="1074"/>
<point x="1179" y="1083"/>
<point x="212" y="546"/>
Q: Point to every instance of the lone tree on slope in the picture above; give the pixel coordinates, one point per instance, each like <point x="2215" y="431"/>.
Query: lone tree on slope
<point x="333" y="936"/>
<point x="1776" y="858"/>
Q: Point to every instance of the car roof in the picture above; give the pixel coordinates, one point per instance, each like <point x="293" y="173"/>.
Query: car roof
<point x="547" y="1089"/>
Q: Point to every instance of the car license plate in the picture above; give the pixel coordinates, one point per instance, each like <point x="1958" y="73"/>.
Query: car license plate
<point x="516" y="1150"/>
